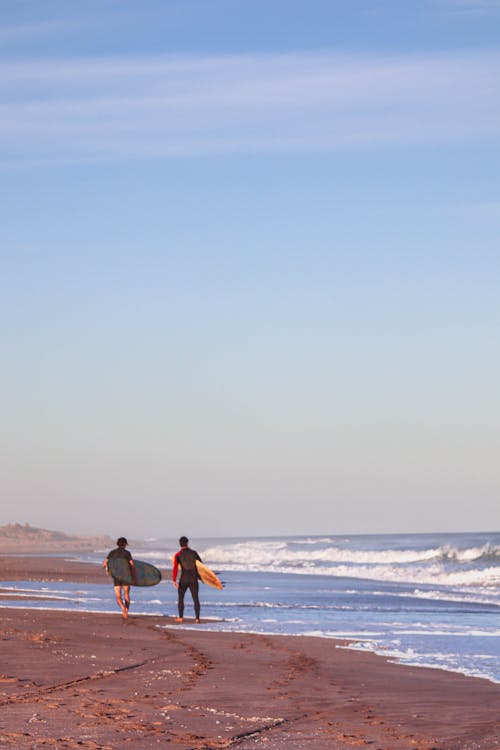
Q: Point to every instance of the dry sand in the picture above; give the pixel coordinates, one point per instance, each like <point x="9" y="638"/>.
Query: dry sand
<point x="78" y="680"/>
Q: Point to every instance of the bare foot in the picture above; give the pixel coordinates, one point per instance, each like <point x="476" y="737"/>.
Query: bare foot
<point x="197" y="619"/>
<point x="179" y="619"/>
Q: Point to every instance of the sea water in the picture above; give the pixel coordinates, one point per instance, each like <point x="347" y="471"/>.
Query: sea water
<point x="425" y="600"/>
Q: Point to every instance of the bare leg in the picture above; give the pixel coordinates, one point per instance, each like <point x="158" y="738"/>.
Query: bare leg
<point x="120" y="602"/>
<point x="126" y="597"/>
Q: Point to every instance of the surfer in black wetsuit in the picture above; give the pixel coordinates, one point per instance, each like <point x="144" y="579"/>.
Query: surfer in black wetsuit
<point x="186" y="558"/>
<point x="122" y="590"/>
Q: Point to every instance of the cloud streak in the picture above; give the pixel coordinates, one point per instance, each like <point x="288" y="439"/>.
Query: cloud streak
<point x="96" y="109"/>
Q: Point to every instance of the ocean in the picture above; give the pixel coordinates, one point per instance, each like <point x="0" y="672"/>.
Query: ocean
<point x="425" y="599"/>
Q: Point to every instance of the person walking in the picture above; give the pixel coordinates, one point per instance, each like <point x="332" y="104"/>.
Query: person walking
<point x="122" y="590"/>
<point x="185" y="559"/>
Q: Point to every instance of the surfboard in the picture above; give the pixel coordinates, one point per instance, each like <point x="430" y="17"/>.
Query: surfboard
<point x="145" y="573"/>
<point x="208" y="576"/>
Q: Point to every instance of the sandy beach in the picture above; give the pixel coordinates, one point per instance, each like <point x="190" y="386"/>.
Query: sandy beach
<point x="81" y="680"/>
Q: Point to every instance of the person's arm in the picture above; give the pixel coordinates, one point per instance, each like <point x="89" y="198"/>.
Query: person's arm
<point x="132" y="570"/>
<point x="175" y="570"/>
<point x="105" y="565"/>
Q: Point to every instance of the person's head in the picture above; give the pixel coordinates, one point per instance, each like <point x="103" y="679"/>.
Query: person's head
<point x="184" y="541"/>
<point x="121" y="542"/>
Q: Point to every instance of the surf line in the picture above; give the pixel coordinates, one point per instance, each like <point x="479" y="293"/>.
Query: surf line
<point x="63" y="685"/>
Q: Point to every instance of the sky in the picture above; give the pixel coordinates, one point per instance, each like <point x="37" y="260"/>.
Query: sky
<point x="249" y="266"/>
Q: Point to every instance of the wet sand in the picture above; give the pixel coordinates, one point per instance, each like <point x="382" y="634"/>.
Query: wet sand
<point x="78" y="680"/>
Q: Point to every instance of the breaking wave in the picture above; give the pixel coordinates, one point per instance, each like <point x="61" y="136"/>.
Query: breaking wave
<point x="266" y="552"/>
<point x="446" y="565"/>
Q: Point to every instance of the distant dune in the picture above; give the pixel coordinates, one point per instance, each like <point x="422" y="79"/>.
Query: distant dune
<point x="22" y="538"/>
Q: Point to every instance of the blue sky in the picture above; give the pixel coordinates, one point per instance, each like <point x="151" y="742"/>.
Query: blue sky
<point x="249" y="266"/>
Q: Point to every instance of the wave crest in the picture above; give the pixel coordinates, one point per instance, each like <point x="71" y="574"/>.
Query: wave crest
<point x="248" y="553"/>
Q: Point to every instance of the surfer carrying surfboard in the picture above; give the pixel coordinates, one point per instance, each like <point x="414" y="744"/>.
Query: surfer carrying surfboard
<point x="122" y="590"/>
<point x="185" y="559"/>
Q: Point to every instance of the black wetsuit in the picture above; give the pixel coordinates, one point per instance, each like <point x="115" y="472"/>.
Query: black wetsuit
<point x="186" y="558"/>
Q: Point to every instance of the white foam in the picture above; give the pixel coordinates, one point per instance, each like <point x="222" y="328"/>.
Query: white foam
<point x="433" y="574"/>
<point x="465" y="596"/>
<point x="447" y="632"/>
<point x="411" y="658"/>
<point x="265" y="553"/>
<point x="273" y="552"/>
<point x="441" y="565"/>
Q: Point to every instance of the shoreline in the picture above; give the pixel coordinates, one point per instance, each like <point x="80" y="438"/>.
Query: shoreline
<point x="45" y="566"/>
<point x="148" y="680"/>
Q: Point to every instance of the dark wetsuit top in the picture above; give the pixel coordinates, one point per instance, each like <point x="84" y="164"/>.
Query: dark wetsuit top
<point x="119" y="552"/>
<point x="186" y="558"/>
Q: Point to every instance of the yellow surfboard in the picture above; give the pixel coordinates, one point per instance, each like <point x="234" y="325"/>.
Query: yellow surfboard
<point x="208" y="576"/>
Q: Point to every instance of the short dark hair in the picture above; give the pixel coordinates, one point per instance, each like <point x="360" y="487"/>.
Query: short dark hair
<point x="122" y="542"/>
<point x="183" y="541"/>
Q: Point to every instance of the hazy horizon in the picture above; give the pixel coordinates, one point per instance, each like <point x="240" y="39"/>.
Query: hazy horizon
<point x="304" y="535"/>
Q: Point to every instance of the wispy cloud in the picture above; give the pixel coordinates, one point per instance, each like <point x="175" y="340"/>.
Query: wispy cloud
<point x="153" y="106"/>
